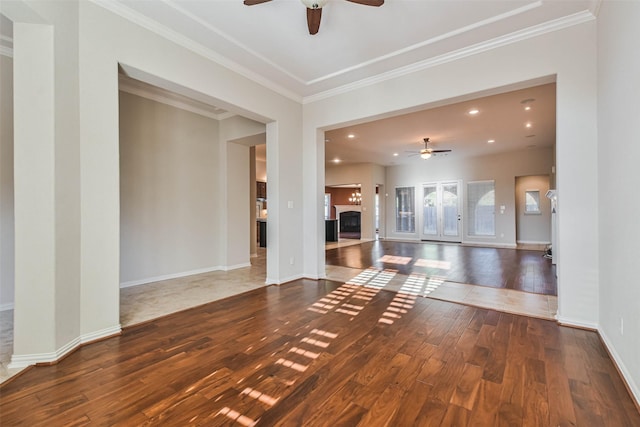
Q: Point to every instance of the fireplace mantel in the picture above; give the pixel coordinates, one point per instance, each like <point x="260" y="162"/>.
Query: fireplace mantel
<point x="346" y="208"/>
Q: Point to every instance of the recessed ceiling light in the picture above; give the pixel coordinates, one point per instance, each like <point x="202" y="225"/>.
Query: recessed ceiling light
<point x="474" y="111"/>
<point x="351" y="136"/>
<point x="527" y="108"/>
<point x="491" y="141"/>
<point x="528" y="125"/>
<point x="395" y="154"/>
<point x="336" y="160"/>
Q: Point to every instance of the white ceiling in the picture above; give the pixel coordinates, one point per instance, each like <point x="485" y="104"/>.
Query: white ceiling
<point x="356" y="44"/>
<point x="502" y="118"/>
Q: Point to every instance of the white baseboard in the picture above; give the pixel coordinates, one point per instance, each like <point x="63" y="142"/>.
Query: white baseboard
<point x="397" y="239"/>
<point x="103" y="333"/>
<point x="235" y="267"/>
<point x="564" y="321"/>
<point x="532" y="242"/>
<point x="628" y="378"/>
<point x="23" y="360"/>
<point x="183" y="274"/>
<point x="6" y="307"/>
<point x="285" y="280"/>
<point x="491" y="245"/>
<point x="169" y="276"/>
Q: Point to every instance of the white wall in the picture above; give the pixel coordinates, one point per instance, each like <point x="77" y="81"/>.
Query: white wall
<point x="169" y="199"/>
<point x="67" y="198"/>
<point x="502" y="168"/>
<point x="6" y="184"/>
<point x="618" y="152"/>
<point x="534" y="228"/>
<point x="570" y="55"/>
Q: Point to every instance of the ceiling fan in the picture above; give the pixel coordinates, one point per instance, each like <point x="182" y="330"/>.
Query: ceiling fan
<point x="426" y="152"/>
<point x="314" y="10"/>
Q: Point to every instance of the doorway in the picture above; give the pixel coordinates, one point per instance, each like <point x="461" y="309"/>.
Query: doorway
<point x="441" y="212"/>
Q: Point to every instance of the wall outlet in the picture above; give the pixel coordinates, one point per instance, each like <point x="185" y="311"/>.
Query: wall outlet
<point x="291" y="260"/>
<point x="621" y="326"/>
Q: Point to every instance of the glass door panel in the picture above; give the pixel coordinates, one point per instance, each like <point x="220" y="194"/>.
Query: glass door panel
<point x="450" y="216"/>
<point x="430" y="210"/>
<point x="441" y="218"/>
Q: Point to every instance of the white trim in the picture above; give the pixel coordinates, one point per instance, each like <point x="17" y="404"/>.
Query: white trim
<point x="531" y="242"/>
<point x="180" y="39"/>
<point x="125" y="85"/>
<point x="633" y="386"/>
<point x="285" y="280"/>
<point x="536" y="30"/>
<point x="490" y="245"/>
<point x="236" y="266"/>
<point x="564" y="321"/>
<point x="23" y="360"/>
<point x="197" y="48"/>
<point x="169" y="276"/>
<point x="403" y="239"/>
<point x="6" y="307"/>
<point x="431" y="41"/>
<point x="103" y="333"/>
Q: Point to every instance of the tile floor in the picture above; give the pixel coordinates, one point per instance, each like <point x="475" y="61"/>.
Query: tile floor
<point x="145" y="302"/>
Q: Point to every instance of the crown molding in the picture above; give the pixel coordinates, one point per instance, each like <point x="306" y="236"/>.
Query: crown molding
<point x="191" y="45"/>
<point x="527" y="33"/>
<point x="431" y="41"/>
<point x="232" y="40"/>
<point x="125" y="85"/>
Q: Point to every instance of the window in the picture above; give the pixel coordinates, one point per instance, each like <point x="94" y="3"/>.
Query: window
<point x="327" y="205"/>
<point x="405" y="210"/>
<point x="481" y="208"/>
<point x="532" y="202"/>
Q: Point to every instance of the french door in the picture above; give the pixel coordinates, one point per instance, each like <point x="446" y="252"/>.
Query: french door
<point x="441" y="218"/>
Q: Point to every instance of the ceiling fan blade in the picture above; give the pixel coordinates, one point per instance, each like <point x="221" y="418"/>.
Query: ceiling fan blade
<point x="368" y="2"/>
<point x="313" y="20"/>
<point x="440" y="151"/>
<point x="254" y="2"/>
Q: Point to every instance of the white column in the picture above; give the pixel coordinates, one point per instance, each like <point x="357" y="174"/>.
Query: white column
<point x="34" y="138"/>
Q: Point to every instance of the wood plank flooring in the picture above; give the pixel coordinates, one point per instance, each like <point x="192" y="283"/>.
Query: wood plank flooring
<point x="521" y="270"/>
<point x="325" y="353"/>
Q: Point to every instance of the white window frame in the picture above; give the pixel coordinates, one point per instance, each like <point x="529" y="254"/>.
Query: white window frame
<point x="535" y="195"/>
<point x="412" y="213"/>
<point x="472" y="206"/>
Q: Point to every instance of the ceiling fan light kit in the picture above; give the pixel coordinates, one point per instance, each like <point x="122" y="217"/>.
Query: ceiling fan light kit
<point x="427" y="152"/>
<point x="314" y="4"/>
<point x="314" y="9"/>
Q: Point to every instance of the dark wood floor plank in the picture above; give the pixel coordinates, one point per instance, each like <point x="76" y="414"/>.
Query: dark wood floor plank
<point x="522" y="270"/>
<point x="265" y="358"/>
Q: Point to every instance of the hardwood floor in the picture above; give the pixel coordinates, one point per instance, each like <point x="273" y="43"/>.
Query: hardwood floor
<point x="324" y="353"/>
<point x="522" y="270"/>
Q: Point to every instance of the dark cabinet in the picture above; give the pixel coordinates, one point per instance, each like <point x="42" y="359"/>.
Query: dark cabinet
<point x="262" y="234"/>
<point x="331" y="230"/>
<point x="261" y="190"/>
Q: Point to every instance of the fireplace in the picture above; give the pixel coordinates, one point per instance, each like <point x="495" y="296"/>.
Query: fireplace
<point x="350" y="222"/>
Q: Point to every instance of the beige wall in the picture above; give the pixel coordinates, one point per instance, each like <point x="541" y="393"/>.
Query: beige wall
<point x="168" y="191"/>
<point x="502" y="168"/>
<point x="618" y="154"/>
<point x="533" y="228"/>
<point x="6" y="184"/>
